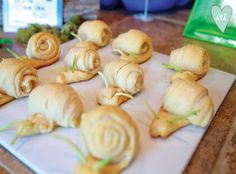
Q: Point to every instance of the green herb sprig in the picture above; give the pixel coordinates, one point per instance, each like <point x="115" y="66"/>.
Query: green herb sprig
<point x="101" y="164"/>
<point x="179" y="118"/>
<point x="74" y="65"/>
<point x="73" y="146"/>
<point x="173" y="67"/>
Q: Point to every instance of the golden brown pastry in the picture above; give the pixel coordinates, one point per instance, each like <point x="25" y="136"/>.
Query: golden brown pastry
<point x="82" y="62"/>
<point x="135" y="46"/>
<point x="186" y="102"/>
<point x="109" y="133"/>
<point x="95" y="31"/>
<point x="122" y="76"/>
<point x="192" y="58"/>
<point x="43" y="49"/>
<point x="17" y="79"/>
<point x="51" y="105"/>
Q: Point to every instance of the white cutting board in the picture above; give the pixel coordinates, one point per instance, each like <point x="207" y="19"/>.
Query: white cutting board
<point x="46" y="155"/>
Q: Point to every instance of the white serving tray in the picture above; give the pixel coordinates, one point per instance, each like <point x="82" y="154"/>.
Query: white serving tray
<point x="46" y="155"/>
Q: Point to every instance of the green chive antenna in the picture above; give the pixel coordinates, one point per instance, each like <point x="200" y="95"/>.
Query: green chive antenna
<point x="174" y="67"/>
<point x="8" y="126"/>
<point x="179" y="118"/>
<point x="74" y="146"/>
<point x="76" y="36"/>
<point x="13" y="53"/>
<point x="150" y="109"/>
<point x="74" y="65"/>
<point x="101" y="164"/>
<point x="104" y="79"/>
<point x="124" y="94"/>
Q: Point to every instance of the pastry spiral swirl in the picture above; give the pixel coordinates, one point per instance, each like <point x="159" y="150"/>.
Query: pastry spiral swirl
<point x="95" y="31"/>
<point x="43" y="49"/>
<point x="83" y="63"/>
<point x="135" y="45"/>
<point x="184" y="96"/>
<point x="124" y="74"/>
<point x="17" y="78"/>
<point x="110" y="132"/>
<point x="191" y="58"/>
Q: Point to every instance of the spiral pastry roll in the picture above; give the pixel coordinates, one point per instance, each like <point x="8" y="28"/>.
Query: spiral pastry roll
<point x="122" y="76"/>
<point x="190" y="58"/>
<point x="43" y="49"/>
<point x="17" y="79"/>
<point x="109" y="132"/>
<point x="82" y="63"/>
<point x="188" y="100"/>
<point x="95" y="31"/>
<point x="52" y="105"/>
<point x="135" y="46"/>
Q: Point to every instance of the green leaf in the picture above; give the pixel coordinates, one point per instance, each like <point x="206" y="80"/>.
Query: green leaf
<point x="104" y="79"/>
<point x="73" y="146"/>
<point x="6" y="41"/>
<point x="179" y="118"/>
<point x="74" y="65"/>
<point x="101" y="164"/>
<point x="176" y="68"/>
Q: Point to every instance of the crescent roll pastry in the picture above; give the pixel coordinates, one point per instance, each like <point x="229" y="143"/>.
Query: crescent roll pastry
<point x="135" y="46"/>
<point x="83" y="62"/>
<point x="186" y="102"/>
<point x="95" y="31"/>
<point x="52" y="105"/>
<point x="17" y="79"/>
<point x="122" y="76"/>
<point x="43" y="49"/>
<point x="109" y="132"/>
<point x="190" y="58"/>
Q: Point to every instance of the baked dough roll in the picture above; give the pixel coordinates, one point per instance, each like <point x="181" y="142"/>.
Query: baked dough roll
<point x="82" y="62"/>
<point x="109" y="132"/>
<point x="191" y="58"/>
<point x="122" y="76"/>
<point x="52" y="105"/>
<point x="43" y="49"/>
<point x="95" y="31"/>
<point x="17" y="79"/>
<point x="135" y="46"/>
<point x="189" y="101"/>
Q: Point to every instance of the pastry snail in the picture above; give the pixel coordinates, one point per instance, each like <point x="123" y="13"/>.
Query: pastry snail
<point x="109" y="133"/>
<point x="192" y="60"/>
<point x="17" y="79"/>
<point x="96" y="31"/>
<point x="135" y="46"/>
<point x="51" y="105"/>
<point x="122" y="76"/>
<point x="185" y="102"/>
<point x="43" y="49"/>
<point x="82" y="63"/>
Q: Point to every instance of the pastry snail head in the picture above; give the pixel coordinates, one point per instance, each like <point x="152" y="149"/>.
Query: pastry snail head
<point x="109" y="132"/>
<point x="43" y="49"/>
<point x="134" y="45"/>
<point x="191" y="58"/>
<point x="95" y="31"/>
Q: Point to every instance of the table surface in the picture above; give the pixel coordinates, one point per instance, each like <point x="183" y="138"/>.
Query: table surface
<point x="216" y="152"/>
